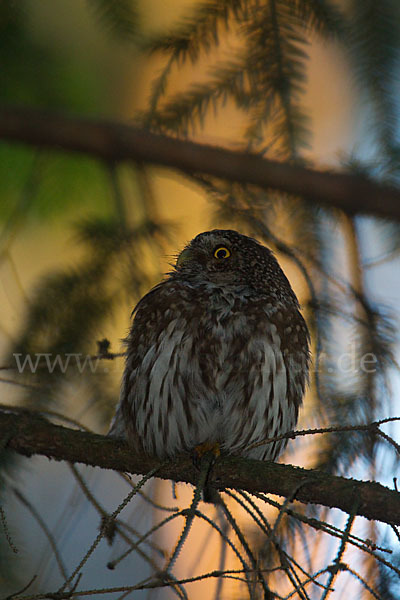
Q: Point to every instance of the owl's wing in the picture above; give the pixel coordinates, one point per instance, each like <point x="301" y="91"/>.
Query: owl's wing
<point x="117" y="426"/>
<point x="146" y="326"/>
<point x="295" y="340"/>
<point x="279" y="379"/>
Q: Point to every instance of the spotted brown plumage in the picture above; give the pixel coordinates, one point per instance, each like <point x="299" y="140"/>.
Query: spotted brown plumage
<point x="218" y="353"/>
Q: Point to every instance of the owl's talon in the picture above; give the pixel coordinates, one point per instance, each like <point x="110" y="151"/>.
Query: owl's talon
<point x="203" y="449"/>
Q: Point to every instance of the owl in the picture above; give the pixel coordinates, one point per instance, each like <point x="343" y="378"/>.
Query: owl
<point x="217" y="354"/>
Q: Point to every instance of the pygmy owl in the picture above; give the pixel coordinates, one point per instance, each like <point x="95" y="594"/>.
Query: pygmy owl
<point x="217" y="354"/>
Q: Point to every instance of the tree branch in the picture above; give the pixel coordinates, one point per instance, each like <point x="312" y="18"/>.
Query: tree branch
<point x="27" y="433"/>
<point x="112" y="141"/>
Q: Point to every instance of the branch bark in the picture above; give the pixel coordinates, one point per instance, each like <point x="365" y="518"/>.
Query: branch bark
<point x="113" y="141"/>
<point x="26" y="433"/>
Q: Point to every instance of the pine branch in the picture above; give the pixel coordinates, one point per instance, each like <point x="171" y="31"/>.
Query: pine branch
<point x="323" y="16"/>
<point x="119" y="16"/>
<point x="198" y="31"/>
<point x="26" y="433"/>
<point x="112" y="141"/>
<point x="283" y="44"/>
<point x="373" y="40"/>
<point x="188" y="109"/>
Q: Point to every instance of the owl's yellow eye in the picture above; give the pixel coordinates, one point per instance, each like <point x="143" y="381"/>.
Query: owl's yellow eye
<point x="222" y="252"/>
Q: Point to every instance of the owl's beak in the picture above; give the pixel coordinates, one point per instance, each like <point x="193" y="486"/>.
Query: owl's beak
<point x="185" y="256"/>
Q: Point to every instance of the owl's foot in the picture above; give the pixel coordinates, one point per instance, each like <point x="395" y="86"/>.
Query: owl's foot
<point x="200" y="452"/>
<point x="205" y="448"/>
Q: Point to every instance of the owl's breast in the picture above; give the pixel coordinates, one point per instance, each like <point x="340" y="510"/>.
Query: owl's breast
<point x="210" y="369"/>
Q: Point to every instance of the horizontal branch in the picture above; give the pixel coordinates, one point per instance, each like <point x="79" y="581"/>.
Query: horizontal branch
<point x="113" y="141"/>
<point x="27" y="433"/>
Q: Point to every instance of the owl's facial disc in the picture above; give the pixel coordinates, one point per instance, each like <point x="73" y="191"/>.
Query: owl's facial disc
<point x="213" y="259"/>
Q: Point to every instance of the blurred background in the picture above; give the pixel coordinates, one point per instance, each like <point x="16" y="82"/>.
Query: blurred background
<point x="312" y="83"/>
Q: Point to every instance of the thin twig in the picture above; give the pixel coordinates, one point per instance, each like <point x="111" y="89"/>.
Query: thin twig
<point x="266" y="529"/>
<point x="363" y="582"/>
<point x="337" y="563"/>
<point x="335" y="429"/>
<point x="112" y="564"/>
<point x="156" y="583"/>
<point x="391" y="441"/>
<point x="248" y="551"/>
<point x="118" y="522"/>
<point x="323" y="526"/>
<point x="310" y="579"/>
<point x="21" y="591"/>
<point x="6" y="531"/>
<point x="28" y="386"/>
<point x="206" y="464"/>
<point x="102" y="531"/>
<point x="45" y="529"/>
<point x="271" y="537"/>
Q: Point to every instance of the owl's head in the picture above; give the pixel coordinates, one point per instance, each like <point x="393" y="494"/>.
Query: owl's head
<point x="226" y="257"/>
